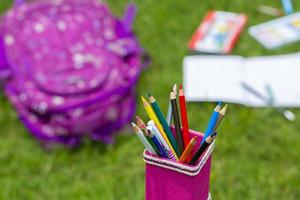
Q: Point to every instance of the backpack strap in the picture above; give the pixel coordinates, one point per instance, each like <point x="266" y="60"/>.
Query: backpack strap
<point x="129" y="17"/>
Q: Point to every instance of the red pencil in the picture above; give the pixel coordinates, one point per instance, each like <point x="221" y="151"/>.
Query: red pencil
<point x="184" y="118"/>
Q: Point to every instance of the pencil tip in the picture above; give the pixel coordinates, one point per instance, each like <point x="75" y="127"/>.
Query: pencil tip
<point x="219" y="103"/>
<point x="224" y="109"/>
<point x="149" y="94"/>
<point x="135" y="127"/>
<point x="180" y="91"/>
<point x="137" y="118"/>
<point x="180" y="86"/>
<point x="175" y="89"/>
<point x="172" y="95"/>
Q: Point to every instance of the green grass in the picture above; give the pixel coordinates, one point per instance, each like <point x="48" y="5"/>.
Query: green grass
<point x="257" y="152"/>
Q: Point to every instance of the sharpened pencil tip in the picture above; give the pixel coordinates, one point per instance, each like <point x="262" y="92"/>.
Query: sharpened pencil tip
<point x="218" y="107"/>
<point x="224" y="109"/>
<point x="174" y="89"/>
<point x="172" y="95"/>
<point x="140" y="122"/>
<point x="180" y="93"/>
<point x="149" y="94"/>
<point x="135" y="127"/>
<point x="180" y="86"/>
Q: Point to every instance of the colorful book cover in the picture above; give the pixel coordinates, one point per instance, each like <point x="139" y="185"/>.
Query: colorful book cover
<point x="218" y="32"/>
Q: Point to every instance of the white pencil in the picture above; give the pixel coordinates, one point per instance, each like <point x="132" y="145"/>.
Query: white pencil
<point x="140" y="134"/>
<point x="154" y="129"/>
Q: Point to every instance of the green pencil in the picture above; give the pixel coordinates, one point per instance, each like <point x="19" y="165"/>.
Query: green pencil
<point x="164" y="123"/>
<point x="151" y="143"/>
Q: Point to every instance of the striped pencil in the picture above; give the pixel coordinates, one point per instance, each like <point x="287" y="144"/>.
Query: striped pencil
<point x="162" y="151"/>
<point x="154" y="129"/>
<point x="165" y="147"/>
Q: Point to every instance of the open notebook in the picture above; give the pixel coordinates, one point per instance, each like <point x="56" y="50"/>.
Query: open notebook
<point x="245" y="81"/>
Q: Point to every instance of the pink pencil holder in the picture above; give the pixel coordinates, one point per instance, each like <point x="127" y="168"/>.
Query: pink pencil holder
<point x="169" y="180"/>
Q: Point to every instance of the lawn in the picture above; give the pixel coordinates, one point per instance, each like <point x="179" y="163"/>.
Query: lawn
<point x="257" y="151"/>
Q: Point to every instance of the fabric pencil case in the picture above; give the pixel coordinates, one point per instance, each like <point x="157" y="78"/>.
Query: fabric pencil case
<point x="169" y="180"/>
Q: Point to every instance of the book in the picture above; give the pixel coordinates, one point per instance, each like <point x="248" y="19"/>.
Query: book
<point x="218" y="32"/>
<point x="278" y="32"/>
<point x="240" y="80"/>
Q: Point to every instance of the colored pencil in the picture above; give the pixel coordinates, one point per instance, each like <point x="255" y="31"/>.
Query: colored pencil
<point x="176" y="121"/>
<point x="156" y="132"/>
<point x="155" y="140"/>
<point x="220" y="118"/>
<point x="140" y="135"/>
<point x="212" y="122"/>
<point x="151" y="143"/>
<point x="268" y="10"/>
<point x="202" y="148"/>
<point x="287" y="6"/>
<point x="187" y="152"/>
<point x="153" y="116"/>
<point x="140" y="123"/>
<point x="163" y="122"/>
<point x="153" y="129"/>
<point x="169" y="114"/>
<point x="184" y="118"/>
<point x="174" y="89"/>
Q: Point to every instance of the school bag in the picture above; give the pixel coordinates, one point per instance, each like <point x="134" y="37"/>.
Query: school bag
<point x="70" y="68"/>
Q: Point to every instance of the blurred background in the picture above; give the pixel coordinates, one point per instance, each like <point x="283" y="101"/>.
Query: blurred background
<point x="256" y="154"/>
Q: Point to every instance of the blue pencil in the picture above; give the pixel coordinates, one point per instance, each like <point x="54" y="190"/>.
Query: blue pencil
<point x="287" y="6"/>
<point x="157" y="144"/>
<point x="212" y="122"/>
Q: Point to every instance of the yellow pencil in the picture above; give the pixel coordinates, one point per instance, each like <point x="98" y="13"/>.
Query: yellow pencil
<point x="153" y="116"/>
<point x="188" y="150"/>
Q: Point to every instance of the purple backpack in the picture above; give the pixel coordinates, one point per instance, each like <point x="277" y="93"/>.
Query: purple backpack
<point x="70" y="68"/>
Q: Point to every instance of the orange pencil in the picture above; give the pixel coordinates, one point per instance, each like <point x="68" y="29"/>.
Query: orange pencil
<point x="188" y="150"/>
<point x="184" y="118"/>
